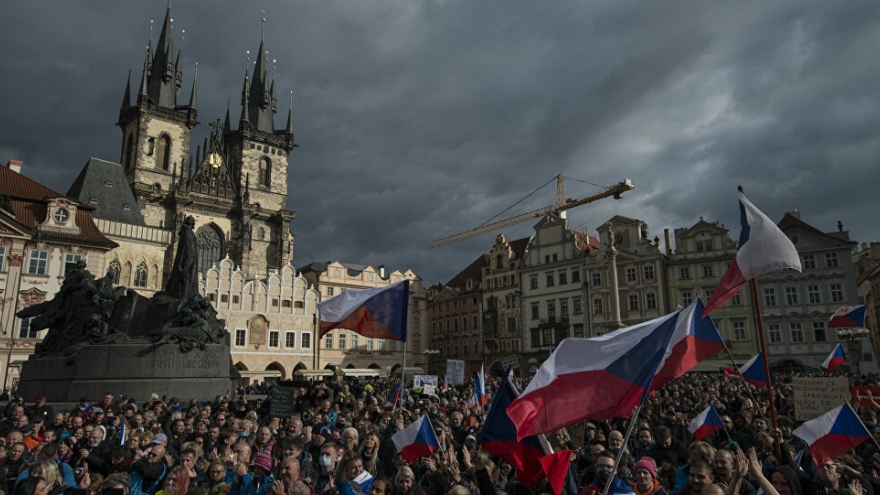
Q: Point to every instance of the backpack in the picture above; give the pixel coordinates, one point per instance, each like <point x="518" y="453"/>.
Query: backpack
<point x="137" y="482"/>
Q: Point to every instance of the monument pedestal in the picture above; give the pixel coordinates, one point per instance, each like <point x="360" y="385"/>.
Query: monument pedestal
<point x="118" y="368"/>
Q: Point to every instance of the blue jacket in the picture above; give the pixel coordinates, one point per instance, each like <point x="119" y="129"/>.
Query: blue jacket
<point x="247" y="485"/>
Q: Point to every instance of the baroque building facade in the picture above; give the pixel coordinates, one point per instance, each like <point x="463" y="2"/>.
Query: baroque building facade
<point x="502" y="319"/>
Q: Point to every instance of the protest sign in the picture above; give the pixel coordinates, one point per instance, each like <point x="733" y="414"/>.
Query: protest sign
<point x="815" y="396"/>
<point x="455" y="371"/>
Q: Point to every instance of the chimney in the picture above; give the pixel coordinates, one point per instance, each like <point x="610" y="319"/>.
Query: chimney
<point x="14" y="165"/>
<point x="666" y="238"/>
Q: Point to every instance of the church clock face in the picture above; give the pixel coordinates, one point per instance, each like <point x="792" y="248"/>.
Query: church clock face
<point x="61" y="215"/>
<point x="215" y="159"/>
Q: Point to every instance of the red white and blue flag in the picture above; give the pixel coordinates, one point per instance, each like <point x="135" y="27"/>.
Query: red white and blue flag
<point x="498" y="437"/>
<point x="833" y="433"/>
<point x="706" y="423"/>
<point x="848" y="317"/>
<point x="478" y="398"/>
<point x="606" y="377"/>
<point x="695" y="339"/>
<point x="379" y="313"/>
<point x="753" y="371"/>
<point x="835" y="359"/>
<point x="763" y="248"/>
<point x="416" y="440"/>
<point x="393" y="396"/>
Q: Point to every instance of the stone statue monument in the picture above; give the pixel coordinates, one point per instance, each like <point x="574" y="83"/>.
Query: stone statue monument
<point x="103" y="337"/>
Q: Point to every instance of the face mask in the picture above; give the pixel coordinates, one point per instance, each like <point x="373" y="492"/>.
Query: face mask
<point x="602" y="477"/>
<point x="325" y="461"/>
<point x="871" y="424"/>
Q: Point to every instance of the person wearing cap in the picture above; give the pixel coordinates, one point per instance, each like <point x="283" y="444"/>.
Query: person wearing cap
<point x="82" y="409"/>
<point x="153" y="467"/>
<point x="31" y="436"/>
<point x="604" y="473"/>
<point x="256" y="481"/>
<point x="646" y="478"/>
<point x="39" y="410"/>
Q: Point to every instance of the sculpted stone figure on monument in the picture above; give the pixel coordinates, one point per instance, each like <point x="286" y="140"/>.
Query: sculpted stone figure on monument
<point x="184" y="280"/>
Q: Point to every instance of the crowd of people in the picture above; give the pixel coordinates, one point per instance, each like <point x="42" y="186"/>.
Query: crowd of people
<point x="337" y="440"/>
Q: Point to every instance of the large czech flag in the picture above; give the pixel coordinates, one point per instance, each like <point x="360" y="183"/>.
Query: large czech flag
<point x="603" y="377"/>
<point x="379" y="313"/>
<point x="763" y="248"/>
<point x="833" y="433"/>
<point x="695" y="339"/>
<point x="848" y="317"/>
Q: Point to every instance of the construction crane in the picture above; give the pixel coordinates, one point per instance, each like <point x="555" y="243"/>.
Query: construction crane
<point x="616" y="191"/>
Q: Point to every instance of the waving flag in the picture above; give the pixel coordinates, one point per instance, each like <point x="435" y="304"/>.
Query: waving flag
<point x="498" y="437"/>
<point x="833" y="433"/>
<point x="393" y="396"/>
<point x="835" y="359"/>
<point x="599" y="378"/>
<point x="479" y="397"/>
<point x="848" y="317"/>
<point x="695" y="339"/>
<point x="378" y="313"/>
<point x="763" y="248"/>
<point x="706" y="423"/>
<point x="753" y="371"/>
<point x="416" y="440"/>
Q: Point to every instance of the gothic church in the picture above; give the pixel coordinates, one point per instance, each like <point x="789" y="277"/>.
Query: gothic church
<point x="235" y="186"/>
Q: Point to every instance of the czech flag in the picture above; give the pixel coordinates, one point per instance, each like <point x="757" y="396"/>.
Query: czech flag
<point x="416" y="440"/>
<point x="763" y="248"/>
<point x="706" y="423"/>
<point x="695" y="340"/>
<point x="393" y="396"/>
<point x="479" y="398"/>
<point x="753" y="371"/>
<point x="599" y="378"/>
<point x="848" y="317"/>
<point x="833" y="433"/>
<point x="378" y="313"/>
<point x="835" y="359"/>
<point x="498" y="437"/>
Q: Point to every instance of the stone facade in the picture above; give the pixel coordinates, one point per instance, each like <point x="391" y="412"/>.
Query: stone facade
<point x="271" y="322"/>
<point x="625" y="277"/>
<point x="553" y="296"/>
<point x="502" y="318"/>
<point x="702" y="255"/>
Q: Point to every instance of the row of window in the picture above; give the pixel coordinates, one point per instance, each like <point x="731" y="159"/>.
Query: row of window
<point x="352" y="341"/>
<point x="797" y="333"/>
<point x="452" y="325"/>
<point x="451" y="348"/>
<point x="634" y="301"/>
<point x="290" y="339"/>
<point x="814" y="295"/>
<point x="551" y="278"/>
<point x="453" y="305"/>
<point x="808" y="262"/>
<point x="550" y="305"/>
<point x="551" y="336"/>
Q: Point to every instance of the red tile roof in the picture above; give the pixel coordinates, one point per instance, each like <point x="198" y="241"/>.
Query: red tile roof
<point x="28" y="200"/>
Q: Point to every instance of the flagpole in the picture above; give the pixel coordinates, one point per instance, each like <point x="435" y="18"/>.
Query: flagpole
<point x="760" y="321"/>
<point x="741" y="377"/>
<point x="405" y="334"/>
<point x="632" y="423"/>
<point x="316" y="352"/>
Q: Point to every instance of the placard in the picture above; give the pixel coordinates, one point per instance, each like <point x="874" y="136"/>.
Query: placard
<point x="429" y="389"/>
<point x="282" y="402"/>
<point x="419" y="381"/>
<point x="814" y="397"/>
<point x="455" y="371"/>
<point x="511" y="362"/>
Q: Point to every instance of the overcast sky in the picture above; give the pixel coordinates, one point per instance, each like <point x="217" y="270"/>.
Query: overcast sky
<point x="420" y="119"/>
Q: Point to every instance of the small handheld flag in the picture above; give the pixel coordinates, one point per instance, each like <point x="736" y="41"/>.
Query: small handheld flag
<point x="416" y="440"/>
<point x="753" y="371"/>
<point x="835" y="359"/>
<point x="706" y="423"/>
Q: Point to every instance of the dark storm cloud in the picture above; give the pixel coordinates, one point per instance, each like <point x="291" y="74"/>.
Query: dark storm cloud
<point x="418" y="120"/>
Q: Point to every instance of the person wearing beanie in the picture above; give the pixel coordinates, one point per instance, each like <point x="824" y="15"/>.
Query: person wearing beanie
<point x="257" y="481"/>
<point x="646" y="478"/>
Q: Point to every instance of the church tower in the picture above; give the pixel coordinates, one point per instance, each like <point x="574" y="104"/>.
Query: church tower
<point x="156" y="129"/>
<point x="260" y="153"/>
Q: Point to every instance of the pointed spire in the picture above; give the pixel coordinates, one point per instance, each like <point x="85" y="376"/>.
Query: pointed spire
<point x="244" y="103"/>
<point x="145" y="76"/>
<point x="126" y="98"/>
<point x="227" y="126"/>
<point x="165" y="76"/>
<point x="193" y="100"/>
<point x="289" y="128"/>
